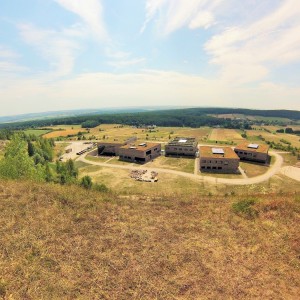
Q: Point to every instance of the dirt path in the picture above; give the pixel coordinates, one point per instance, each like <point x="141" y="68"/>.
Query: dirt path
<point x="275" y="168"/>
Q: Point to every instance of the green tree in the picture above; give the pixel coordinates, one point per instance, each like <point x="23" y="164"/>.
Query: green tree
<point x="17" y="164"/>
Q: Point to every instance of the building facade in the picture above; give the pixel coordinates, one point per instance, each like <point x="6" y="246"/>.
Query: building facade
<point x="182" y="147"/>
<point x="141" y="153"/>
<point x="253" y="152"/>
<point x="218" y="160"/>
<point x="113" y="148"/>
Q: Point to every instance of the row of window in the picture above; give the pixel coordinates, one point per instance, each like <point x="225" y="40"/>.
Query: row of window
<point x="221" y="162"/>
<point x="180" y="149"/>
<point x="245" y="153"/>
<point x="211" y="168"/>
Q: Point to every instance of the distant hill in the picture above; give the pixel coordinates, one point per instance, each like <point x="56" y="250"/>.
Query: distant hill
<point x="193" y="117"/>
<point x="74" y="113"/>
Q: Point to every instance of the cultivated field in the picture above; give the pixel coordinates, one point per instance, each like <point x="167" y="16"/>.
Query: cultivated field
<point x="253" y="135"/>
<point x="37" y="132"/>
<point x="64" y="131"/>
<point x="225" y="135"/>
<point x="115" y="132"/>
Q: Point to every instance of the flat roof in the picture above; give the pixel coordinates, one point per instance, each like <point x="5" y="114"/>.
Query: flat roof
<point x="183" y="142"/>
<point x="261" y="148"/>
<point x="140" y="147"/>
<point x="208" y="152"/>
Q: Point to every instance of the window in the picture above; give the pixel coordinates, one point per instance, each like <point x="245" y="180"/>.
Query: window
<point x="203" y="161"/>
<point x="202" y="167"/>
<point x="219" y="168"/>
<point x="225" y="163"/>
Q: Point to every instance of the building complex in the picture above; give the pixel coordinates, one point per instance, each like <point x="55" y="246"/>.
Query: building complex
<point x="141" y="153"/>
<point x="221" y="160"/>
<point x="253" y="152"/>
<point x="182" y="147"/>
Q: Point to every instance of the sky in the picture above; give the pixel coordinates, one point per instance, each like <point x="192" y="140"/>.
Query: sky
<point x="86" y="54"/>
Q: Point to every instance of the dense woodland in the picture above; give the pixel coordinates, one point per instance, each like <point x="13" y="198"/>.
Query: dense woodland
<point x="192" y="117"/>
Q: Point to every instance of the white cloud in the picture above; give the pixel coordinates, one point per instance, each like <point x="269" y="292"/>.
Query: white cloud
<point x="174" y="14"/>
<point x="56" y="47"/>
<point x="248" y="51"/>
<point x="90" y="11"/>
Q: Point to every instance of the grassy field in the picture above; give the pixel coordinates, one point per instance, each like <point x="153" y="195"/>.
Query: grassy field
<point x="37" y="132"/>
<point x="115" y="132"/>
<point x="252" y="169"/>
<point x="253" y="135"/>
<point x="180" y="164"/>
<point x="225" y="135"/>
<point x="64" y="132"/>
<point x="59" y="149"/>
<point x="67" y="243"/>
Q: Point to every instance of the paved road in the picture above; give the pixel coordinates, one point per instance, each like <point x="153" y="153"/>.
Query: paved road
<point x="274" y="169"/>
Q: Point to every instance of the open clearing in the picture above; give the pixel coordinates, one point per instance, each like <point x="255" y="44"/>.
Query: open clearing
<point x="174" y="163"/>
<point x="64" y="133"/>
<point x="292" y="172"/>
<point x="37" y="132"/>
<point x="115" y="132"/>
<point x="253" y="135"/>
<point x="225" y="135"/>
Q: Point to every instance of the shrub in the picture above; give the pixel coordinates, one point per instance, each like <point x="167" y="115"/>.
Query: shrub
<point x="244" y="208"/>
<point x="101" y="188"/>
<point x="86" y="182"/>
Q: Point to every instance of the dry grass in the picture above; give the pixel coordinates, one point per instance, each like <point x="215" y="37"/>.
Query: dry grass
<point x="63" y="133"/>
<point x="66" y="243"/>
<point x="113" y="132"/>
<point x="272" y="137"/>
<point x="253" y="169"/>
<point x="225" y="135"/>
<point x="173" y="163"/>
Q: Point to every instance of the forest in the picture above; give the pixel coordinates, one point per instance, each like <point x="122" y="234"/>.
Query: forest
<point x="191" y="117"/>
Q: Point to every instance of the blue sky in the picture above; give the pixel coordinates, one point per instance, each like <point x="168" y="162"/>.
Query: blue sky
<point x="73" y="54"/>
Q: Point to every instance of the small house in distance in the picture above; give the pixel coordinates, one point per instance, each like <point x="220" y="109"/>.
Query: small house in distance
<point x="141" y="153"/>
<point x="218" y="160"/>
<point x="181" y="146"/>
<point x="253" y="152"/>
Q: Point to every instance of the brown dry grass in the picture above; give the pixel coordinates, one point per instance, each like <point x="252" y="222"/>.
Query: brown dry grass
<point x="225" y="135"/>
<point x="66" y="243"/>
<point x="63" y="133"/>
<point x="272" y="137"/>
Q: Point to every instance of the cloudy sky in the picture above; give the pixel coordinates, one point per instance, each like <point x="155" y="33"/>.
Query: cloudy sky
<point x="73" y="54"/>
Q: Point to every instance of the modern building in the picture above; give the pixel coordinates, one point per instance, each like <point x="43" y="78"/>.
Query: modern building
<point x="182" y="147"/>
<point x="141" y="153"/>
<point x="219" y="160"/>
<point x="113" y="148"/>
<point x="253" y="152"/>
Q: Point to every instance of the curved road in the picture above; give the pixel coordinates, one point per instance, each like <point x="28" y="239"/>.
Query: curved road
<point x="275" y="168"/>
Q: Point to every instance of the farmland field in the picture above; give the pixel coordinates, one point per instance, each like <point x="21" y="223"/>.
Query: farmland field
<point x="115" y="132"/>
<point x="37" y="132"/>
<point x="71" y="130"/>
<point x="225" y="135"/>
<point x="272" y="137"/>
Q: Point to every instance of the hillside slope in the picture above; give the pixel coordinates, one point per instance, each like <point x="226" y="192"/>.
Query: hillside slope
<point x="67" y="243"/>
